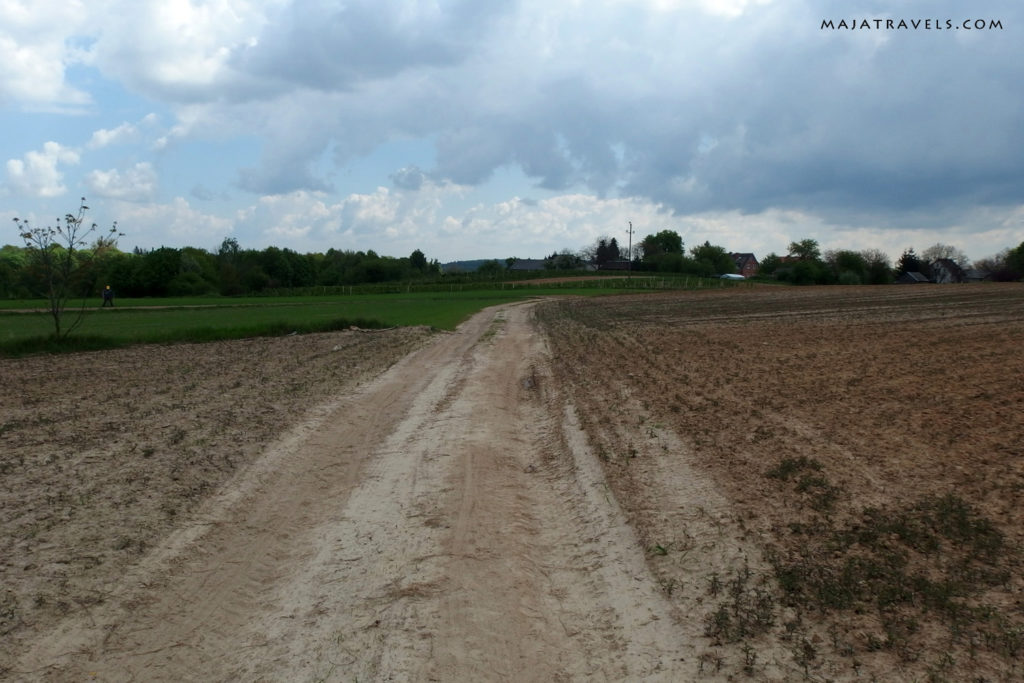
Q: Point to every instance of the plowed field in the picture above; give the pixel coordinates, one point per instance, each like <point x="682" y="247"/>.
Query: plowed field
<point x="763" y="483"/>
<point x="866" y="443"/>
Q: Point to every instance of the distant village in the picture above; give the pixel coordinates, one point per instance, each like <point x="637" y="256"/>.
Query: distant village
<point x="232" y="270"/>
<point x="804" y="263"/>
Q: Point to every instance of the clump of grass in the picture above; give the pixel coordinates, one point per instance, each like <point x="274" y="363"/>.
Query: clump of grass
<point x="818" y="492"/>
<point x="936" y="556"/>
<point x="787" y="467"/>
<point x="748" y="608"/>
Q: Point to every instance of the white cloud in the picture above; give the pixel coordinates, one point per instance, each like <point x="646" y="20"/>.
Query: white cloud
<point x="38" y="174"/>
<point x="180" y="49"/>
<point x="172" y="224"/>
<point x="37" y="44"/>
<point x="287" y="219"/>
<point x="126" y="132"/>
<point x="136" y="184"/>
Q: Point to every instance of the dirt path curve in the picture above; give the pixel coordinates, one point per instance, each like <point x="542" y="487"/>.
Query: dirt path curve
<point x="443" y="523"/>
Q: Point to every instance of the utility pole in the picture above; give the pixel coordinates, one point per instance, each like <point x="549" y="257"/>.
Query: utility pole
<point x="629" y="275"/>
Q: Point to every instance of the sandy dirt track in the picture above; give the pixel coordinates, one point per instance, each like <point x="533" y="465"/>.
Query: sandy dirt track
<point x="445" y="521"/>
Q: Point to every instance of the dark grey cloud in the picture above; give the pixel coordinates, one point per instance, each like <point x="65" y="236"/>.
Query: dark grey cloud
<point x="332" y="46"/>
<point x="824" y="121"/>
<point x="696" y="112"/>
<point x="282" y="177"/>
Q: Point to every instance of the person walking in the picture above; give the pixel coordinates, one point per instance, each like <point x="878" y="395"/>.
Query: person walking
<point x="108" y="297"/>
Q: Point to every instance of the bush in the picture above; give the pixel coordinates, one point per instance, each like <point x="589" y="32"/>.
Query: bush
<point x="848" y="277"/>
<point x="189" y="284"/>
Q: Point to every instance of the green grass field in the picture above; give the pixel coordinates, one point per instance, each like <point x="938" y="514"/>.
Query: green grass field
<point x="23" y="330"/>
<point x="141" y="321"/>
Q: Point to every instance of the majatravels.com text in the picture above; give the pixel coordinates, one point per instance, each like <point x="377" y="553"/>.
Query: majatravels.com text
<point x="912" y="24"/>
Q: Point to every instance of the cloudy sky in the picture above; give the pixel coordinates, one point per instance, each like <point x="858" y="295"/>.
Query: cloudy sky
<point x="488" y="129"/>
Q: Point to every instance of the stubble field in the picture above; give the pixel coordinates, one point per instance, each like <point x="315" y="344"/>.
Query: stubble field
<point x="854" y="472"/>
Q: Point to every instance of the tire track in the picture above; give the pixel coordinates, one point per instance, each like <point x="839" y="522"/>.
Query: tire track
<point x="444" y="523"/>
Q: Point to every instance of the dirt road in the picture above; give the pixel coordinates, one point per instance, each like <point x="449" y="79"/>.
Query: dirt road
<point x="445" y="522"/>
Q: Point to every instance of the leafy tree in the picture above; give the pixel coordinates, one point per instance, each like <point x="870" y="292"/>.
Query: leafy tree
<point x="668" y="263"/>
<point x="189" y="283"/>
<point x="159" y="267"/>
<point x="373" y="268"/>
<point x="1015" y="262"/>
<point x="805" y="250"/>
<point x="712" y="260"/>
<point x="490" y="269"/>
<point x="770" y="264"/>
<point x="64" y="268"/>
<point x="1006" y="266"/>
<point x="879" y="268"/>
<point x="848" y="267"/>
<point x="229" y="265"/>
<point x="563" y="260"/>
<point x="229" y="249"/>
<point x="194" y="260"/>
<point x="664" y="242"/>
<point x="806" y="272"/>
<point x="285" y="268"/>
<point x="663" y="252"/>
<point x="418" y="261"/>
<point x="13" y="271"/>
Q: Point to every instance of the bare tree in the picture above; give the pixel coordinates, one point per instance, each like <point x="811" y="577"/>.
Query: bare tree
<point x="62" y="264"/>
<point x="945" y="251"/>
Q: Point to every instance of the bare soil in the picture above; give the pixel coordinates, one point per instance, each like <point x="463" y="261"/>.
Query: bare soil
<point x="103" y="455"/>
<point x="892" y="550"/>
<point x="569" y="490"/>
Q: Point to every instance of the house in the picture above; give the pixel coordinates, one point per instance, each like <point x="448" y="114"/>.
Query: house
<point x="977" y="275"/>
<point x="746" y="264"/>
<point x="621" y="264"/>
<point x="946" y="271"/>
<point x="911" y="278"/>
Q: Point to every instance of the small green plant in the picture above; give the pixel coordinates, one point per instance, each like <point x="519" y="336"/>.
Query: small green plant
<point x="787" y="467"/>
<point x="936" y="556"/>
<point x="748" y="610"/>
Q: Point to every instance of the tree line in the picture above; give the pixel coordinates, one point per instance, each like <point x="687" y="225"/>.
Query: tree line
<point x="803" y="263"/>
<point x="28" y="271"/>
<point x="190" y="271"/>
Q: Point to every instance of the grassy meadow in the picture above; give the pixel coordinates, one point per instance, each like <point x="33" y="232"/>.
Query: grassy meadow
<point x="25" y="330"/>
